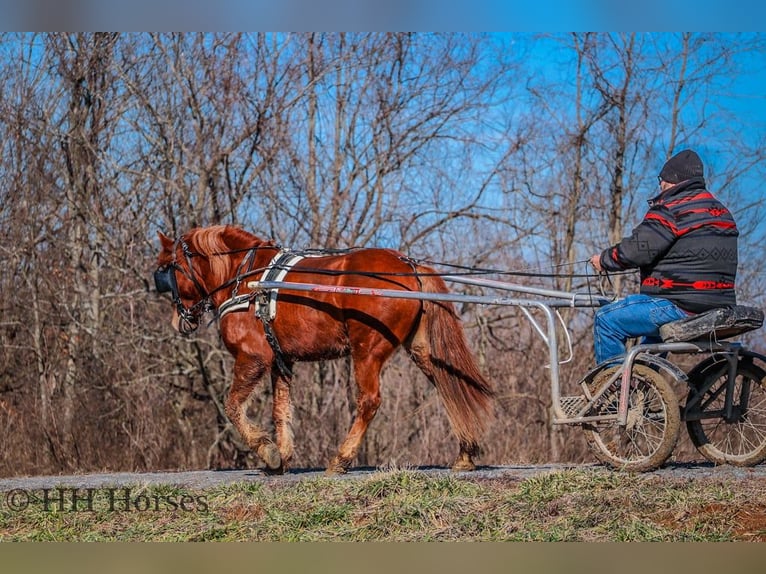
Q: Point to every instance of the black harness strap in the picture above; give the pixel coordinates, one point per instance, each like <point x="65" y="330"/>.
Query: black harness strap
<point x="263" y="308"/>
<point x="271" y="338"/>
<point x="414" y="264"/>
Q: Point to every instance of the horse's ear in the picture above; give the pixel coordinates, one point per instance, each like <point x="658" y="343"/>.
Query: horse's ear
<point x="165" y="241"/>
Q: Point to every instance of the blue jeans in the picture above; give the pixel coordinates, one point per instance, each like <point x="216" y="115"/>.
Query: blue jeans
<point x="634" y="316"/>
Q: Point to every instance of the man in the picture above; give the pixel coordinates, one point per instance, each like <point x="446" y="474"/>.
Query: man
<point x="686" y="251"/>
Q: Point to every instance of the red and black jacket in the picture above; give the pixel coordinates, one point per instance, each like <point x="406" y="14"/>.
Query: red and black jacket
<point x="685" y="248"/>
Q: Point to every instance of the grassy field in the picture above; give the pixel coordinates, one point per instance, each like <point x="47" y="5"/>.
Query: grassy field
<point x="401" y="505"/>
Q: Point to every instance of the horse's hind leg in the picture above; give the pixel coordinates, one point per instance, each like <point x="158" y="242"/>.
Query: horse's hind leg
<point x="420" y="352"/>
<point x="246" y="376"/>
<point x="367" y="374"/>
<point x="282" y="414"/>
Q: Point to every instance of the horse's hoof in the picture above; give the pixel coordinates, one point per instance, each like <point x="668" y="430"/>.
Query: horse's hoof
<point x="337" y="467"/>
<point x="275" y="471"/>
<point x="463" y="466"/>
<point x="270" y="455"/>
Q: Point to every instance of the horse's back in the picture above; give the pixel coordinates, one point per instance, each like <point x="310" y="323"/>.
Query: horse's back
<point x="369" y="267"/>
<point x="334" y="319"/>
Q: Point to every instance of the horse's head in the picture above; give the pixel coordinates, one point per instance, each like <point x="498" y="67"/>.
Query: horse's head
<point x="197" y="266"/>
<point x="176" y="274"/>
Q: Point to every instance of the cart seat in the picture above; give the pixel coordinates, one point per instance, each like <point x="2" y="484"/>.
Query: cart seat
<point x="714" y="325"/>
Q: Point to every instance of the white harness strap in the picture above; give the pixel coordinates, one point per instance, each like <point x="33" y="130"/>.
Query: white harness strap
<point x="276" y="270"/>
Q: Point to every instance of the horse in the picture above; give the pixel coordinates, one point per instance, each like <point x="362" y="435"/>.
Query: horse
<point x="205" y="270"/>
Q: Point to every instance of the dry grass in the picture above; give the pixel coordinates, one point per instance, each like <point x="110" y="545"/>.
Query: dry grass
<point x="405" y="505"/>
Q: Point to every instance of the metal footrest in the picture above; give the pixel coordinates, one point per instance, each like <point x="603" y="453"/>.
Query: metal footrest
<point x="573" y="405"/>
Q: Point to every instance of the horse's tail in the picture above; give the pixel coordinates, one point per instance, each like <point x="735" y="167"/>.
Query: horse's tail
<point x="441" y="350"/>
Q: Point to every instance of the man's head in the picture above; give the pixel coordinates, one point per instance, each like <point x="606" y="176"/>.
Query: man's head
<point x="682" y="166"/>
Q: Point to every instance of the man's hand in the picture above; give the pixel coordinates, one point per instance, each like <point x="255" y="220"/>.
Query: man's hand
<point x="596" y="262"/>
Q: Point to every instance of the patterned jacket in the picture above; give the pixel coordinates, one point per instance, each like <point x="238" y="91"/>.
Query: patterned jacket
<point x="685" y="249"/>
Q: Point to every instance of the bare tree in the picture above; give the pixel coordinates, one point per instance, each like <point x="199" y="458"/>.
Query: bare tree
<point x="461" y="149"/>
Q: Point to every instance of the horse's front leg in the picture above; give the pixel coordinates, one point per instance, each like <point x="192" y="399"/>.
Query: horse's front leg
<point x="247" y="373"/>
<point x="282" y="414"/>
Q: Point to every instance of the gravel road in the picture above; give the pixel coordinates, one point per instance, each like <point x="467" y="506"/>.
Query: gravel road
<point x="201" y="479"/>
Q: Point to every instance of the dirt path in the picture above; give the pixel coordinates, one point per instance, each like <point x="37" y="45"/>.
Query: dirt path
<point x="201" y="479"/>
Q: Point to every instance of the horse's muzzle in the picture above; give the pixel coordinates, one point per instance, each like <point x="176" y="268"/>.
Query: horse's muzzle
<point x="184" y="325"/>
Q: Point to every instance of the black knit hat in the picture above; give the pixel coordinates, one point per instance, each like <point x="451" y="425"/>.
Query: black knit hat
<point x="682" y="166"/>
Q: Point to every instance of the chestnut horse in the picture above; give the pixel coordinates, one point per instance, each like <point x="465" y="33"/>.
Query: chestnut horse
<point x="207" y="268"/>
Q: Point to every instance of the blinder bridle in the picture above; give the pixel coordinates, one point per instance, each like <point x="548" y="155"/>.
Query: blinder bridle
<point x="165" y="282"/>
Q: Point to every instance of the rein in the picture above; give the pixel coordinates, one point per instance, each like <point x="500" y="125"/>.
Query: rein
<point x="165" y="280"/>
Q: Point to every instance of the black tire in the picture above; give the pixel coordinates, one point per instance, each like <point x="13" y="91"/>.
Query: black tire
<point x="742" y="440"/>
<point x="654" y="421"/>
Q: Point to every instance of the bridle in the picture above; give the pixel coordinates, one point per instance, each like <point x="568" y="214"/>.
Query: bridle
<point x="165" y="282"/>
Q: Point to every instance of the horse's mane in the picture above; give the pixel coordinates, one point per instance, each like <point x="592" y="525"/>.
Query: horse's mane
<point x="218" y="243"/>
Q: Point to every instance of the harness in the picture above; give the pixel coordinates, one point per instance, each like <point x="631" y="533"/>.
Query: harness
<point x="265" y="302"/>
<point x="277" y="269"/>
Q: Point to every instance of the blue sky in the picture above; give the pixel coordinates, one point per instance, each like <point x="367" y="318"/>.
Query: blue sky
<point x="750" y="94"/>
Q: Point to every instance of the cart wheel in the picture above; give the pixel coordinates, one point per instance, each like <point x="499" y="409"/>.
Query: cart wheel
<point x="740" y="440"/>
<point x="654" y="420"/>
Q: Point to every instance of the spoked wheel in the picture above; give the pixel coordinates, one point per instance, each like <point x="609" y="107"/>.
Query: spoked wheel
<point x="738" y="438"/>
<point x="654" y="420"/>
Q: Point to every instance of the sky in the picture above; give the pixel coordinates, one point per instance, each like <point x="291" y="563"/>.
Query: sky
<point x="405" y="15"/>
<point x="747" y="97"/>
<point x="744" y="100"/>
